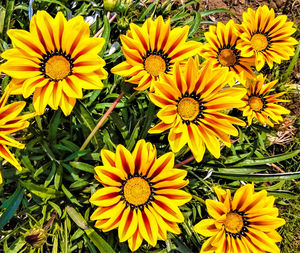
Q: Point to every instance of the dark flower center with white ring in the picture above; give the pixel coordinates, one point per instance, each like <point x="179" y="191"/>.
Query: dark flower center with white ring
<point x="137" y="191"/>
<point x="190" y="108"/>
<point x="156" y="62"/>
<point x="56" y="65"/>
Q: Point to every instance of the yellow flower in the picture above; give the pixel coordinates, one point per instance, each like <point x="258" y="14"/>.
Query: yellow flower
<point x="221" y="48"/>
<point x="259" y="105"/>
<point x="153" y="49"/>
<point x="243" y="224"/>
<point x="141" y="194"/>
<point x="266" y="37"/>
<point x="54" y="61"/>
<point x="10" y="122"/>
<point x="191" y="102"/>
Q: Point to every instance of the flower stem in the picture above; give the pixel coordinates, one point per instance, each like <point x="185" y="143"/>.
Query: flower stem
<point x="199" y="199"/>
<point x="104" y="117"/>
<point x="178" y="165"/>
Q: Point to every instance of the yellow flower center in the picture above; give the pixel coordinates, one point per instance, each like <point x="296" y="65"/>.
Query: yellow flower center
<point x="155" y="65"/>
<point x="57" y="67"/>
<point x="137" y="191"/>
<point x="259" y="42"/>
<point x="233" y="223"/>
<point x="227" y="57"/>
<point x="255" y="103"/>
<point x="188" y="108"/>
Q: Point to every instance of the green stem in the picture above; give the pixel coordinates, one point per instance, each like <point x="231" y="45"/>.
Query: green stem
<point x="100" y="123"/>
<point x="178" y="165"/>
<point x="199" y="199"/>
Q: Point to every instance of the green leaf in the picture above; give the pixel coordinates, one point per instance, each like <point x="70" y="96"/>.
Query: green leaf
<point x="105" y="34"/>
<point x="70" y="196"/>
<point x="77" y="217"/>
<point x="83" y="166"/>
<point x="55" y="207"/>
<point x="98" y="241"/>
<point x="85" y="118"/>
<point x="196" y="23"/>
<point x="271" y="159"/>
<point x="8" y="13"/>
<point x="214" y="11"/>
<point x="292" y="64"/>
<point x="258" y="177"/>
<point x="41" y="191"/>
<point x="11" y="206"/>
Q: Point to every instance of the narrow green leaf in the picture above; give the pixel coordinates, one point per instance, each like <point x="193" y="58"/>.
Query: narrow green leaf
<point x="98" y="241"/>
<point x="214" y="11"/>
<point x="271" y="159"/>
<point x="148" y="120"/>
<point x="53" y="126"/>
<point x="55" y="207"/>
<point x="195" y="25"/>
<point x="105" y="34"/>
<point x="77" y="217"/>
<point x="76" y="154"/>
<point x="85" y="118"/>
<point x="13" y="203"/>
<point x="41" y="191"/>
<point x="292" y="64"/>
<point x="58" y="176"/>
<point x="83" y="166"/>
<point x="8" y="13"/>
<point x="258" y="177"/>
<point x="70" y="196"/>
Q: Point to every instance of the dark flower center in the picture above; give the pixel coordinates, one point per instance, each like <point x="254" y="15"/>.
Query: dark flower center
<point x="56" y="65"/>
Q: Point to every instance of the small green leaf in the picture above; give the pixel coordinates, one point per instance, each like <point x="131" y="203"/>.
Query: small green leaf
<point x="70" y="196"/>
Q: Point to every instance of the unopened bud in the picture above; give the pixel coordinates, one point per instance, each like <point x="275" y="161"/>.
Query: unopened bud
<point x="109" y="5"/>
<point x="36" y="237"/>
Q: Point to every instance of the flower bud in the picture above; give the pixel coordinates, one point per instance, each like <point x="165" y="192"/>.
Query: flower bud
<point x="109" y="5"/>
<point x="36" y="237"/>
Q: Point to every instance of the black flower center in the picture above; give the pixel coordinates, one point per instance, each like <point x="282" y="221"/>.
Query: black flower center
<point x="190" y="108"/>
<point x="156" y="62"/>
<point x="56" y="65"/>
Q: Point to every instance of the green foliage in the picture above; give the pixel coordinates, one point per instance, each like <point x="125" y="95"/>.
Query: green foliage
<point x="58" y="177"/>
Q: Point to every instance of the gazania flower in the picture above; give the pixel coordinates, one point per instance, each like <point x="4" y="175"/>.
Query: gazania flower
<point x="141" y="194"/>
<point x="220" y="48"/>
<point x="54" y="61"/>
<point x="11" y="122"/>
<point x="261" y="106"/>
<point x="266" y="37"/>
<point x="153" y="49"/>
<point x="245" y="223"/>
<point x="191" y="102"/>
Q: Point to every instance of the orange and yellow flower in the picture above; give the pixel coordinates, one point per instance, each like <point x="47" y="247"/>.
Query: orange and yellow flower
<point x="190" y="102"/>
<point x="11" y="122"/>
<point x="266" y="37"/>
<point x="54" y="61"/>
<point x="151" y="50"/>
<point x="260" y="105"/>
<point x="243" y="224"/>
<point x="221" y="49"/>
<point x="140" y="194"/>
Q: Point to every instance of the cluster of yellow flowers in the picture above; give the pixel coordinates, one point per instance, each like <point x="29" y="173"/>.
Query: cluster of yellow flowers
<point x="57" y="58"/>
